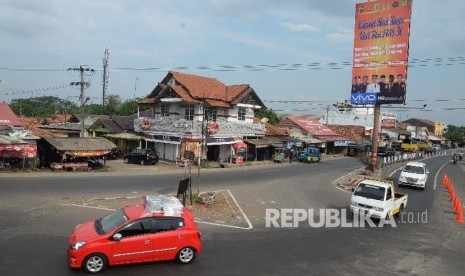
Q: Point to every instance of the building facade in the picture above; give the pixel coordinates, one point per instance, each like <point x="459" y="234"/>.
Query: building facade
<point x="199" y="116"/>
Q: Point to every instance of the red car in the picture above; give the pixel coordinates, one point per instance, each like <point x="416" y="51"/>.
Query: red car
<point x="160" y="229"/>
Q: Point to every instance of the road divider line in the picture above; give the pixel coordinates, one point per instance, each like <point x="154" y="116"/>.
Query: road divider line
<point x="242" y="211"/>
<point x="437" y="173"/>
<point x="87" y="206"/>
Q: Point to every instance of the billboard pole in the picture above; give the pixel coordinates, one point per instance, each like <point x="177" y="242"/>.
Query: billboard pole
<point x="374" y="145"/>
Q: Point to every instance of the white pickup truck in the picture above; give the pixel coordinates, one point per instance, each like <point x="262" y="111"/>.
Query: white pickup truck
<point x="377" y="199"/>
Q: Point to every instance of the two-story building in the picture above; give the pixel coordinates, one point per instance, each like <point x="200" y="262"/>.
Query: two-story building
<point x="192" y="113"/>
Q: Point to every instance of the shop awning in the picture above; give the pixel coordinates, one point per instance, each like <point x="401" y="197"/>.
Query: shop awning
<point x="221" y="141"/>
<point x="86" y="153"/>
<point x="95" y="146"/>
<point x="124" y="136"/>
<point x="18" y="150"/>
<point x="264" y="143"/>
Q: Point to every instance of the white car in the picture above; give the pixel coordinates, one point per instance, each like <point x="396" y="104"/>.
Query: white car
<point x="414" y="174"/>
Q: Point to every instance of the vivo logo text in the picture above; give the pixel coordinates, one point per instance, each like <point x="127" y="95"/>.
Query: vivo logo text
<point x="363" y="98"/>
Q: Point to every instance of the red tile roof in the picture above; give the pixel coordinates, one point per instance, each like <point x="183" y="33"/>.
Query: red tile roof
<point x="312" y="125"/>
<point x="8" y="117"/>
<point x="33" y="124"/>
<point x="195" y="86"/>
<point x="193" y="89"/>
<point x="272" y="130"/>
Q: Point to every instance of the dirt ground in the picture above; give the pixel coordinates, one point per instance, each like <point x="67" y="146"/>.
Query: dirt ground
<point x="223" y="210"/>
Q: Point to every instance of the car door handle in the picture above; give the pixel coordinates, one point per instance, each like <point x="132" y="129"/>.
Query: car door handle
<point x="180" y="236"/>
<point x="147" y="242"/>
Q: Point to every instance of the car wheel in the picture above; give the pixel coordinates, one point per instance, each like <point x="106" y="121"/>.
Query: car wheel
<point x="142" y="162"/>
<point x="126" y="160"/>
<point x="401" y="209"/>
<point x="94" y="263"/>
<point x="185" y="255"/>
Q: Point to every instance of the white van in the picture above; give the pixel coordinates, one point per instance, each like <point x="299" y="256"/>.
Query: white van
<point x="414" y="174"/>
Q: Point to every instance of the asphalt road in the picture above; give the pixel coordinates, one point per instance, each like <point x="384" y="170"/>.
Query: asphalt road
<point x="38" y="215"/>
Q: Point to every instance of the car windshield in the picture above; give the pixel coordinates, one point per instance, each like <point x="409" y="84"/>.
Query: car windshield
<point x="110" y="222"/>
<point x="370" y="191"/>
<point x="414" y="169"/>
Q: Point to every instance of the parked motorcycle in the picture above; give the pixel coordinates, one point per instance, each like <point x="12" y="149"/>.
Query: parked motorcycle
<point x="115" y="153"/>
<point x="95" y="162"/>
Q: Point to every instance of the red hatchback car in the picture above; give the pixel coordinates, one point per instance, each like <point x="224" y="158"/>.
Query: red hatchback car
<point x="160" y="229"/>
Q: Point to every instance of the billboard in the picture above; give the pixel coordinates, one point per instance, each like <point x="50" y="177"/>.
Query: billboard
<point x="381" y="44"/>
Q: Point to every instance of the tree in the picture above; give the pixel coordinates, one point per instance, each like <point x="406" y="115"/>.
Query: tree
<point x="42" y="107"/>
<point x="455" y="134"/>
<point x="272" y="116"/>
<point x="111" y="108"/>
<point x="129" y="107"/>
<point x="113" y="104"/>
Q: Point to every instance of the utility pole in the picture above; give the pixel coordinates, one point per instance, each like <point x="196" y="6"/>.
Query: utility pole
<point x="83" y="70"/>
<point x="106" y="57"/>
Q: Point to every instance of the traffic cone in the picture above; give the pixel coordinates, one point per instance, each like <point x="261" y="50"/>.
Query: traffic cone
<point x="459" y="217"/>
<point x="451" y="193"/>
<point x="444" y="181"/>
<point x="457" y="204"/>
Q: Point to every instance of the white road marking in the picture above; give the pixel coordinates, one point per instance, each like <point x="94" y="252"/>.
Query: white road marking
<point x="250" y="226"/>
<point x="437" y="173"/>
<point x="87" y="206"/>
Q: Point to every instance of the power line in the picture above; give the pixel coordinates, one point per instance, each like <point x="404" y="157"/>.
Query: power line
<point x="414" y="62"/>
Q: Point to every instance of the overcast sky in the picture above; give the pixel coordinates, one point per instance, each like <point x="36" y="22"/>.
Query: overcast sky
<point x="201" y="36"/>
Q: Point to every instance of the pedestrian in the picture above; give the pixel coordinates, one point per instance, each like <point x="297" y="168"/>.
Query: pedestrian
<point x="291" y="155"/>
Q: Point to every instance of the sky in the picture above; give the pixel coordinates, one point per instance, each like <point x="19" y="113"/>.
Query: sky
<point x="229" y="41"/>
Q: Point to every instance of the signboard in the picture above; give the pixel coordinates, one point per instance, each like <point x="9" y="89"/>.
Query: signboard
<point x="341" y="143"/>
<point x="381" y="44"/>
<point x="189" y="155"/>
<point x="388" y="120"/>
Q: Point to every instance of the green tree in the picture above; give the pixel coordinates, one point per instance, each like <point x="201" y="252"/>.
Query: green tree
<point x="128" y="107"/>
<point x="42" y="107"/>
<point x="455" y="134"/>
<point x="111" y="108"/>
<point x="272" y="116"/>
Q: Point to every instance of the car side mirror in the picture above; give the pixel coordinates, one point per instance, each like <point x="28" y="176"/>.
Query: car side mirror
<point x="117" y="237"/>
<point x="353" y="189"/>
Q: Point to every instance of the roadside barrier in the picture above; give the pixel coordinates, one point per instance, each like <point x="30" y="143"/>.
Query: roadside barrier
<point x="455" y="200"/>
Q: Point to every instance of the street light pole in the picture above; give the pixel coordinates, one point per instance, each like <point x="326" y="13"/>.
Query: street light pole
<point x="201" y="146"/>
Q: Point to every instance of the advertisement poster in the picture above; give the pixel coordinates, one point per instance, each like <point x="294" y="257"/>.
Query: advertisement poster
<point x="381" y="44"/>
